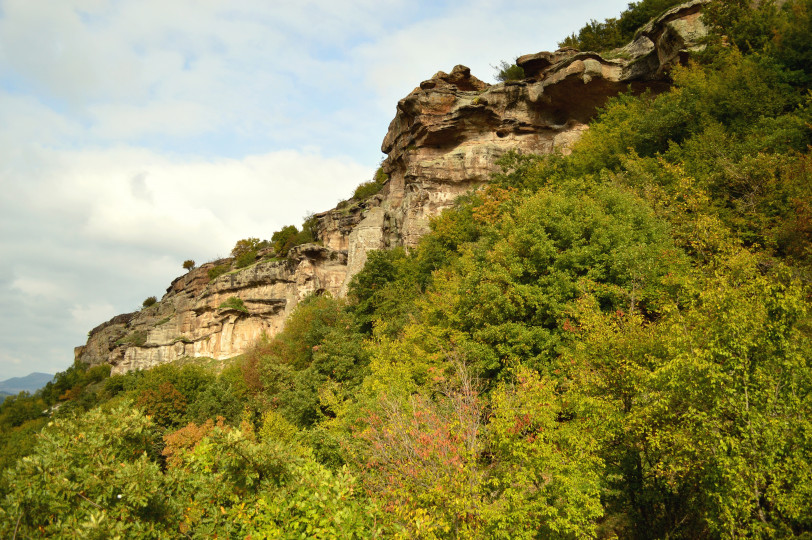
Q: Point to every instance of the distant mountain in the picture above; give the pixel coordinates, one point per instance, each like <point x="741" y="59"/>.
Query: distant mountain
<point x="30" y="383"/>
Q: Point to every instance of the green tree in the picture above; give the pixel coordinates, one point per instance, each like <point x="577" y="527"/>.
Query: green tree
<point x="506" y="71"/>
<point x="93" y="476"/>
<point x="702" y="413"/>
<point x="284" y="239"/>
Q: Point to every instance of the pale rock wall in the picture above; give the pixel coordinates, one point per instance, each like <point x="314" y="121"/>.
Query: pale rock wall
<point x="189" y="319"/>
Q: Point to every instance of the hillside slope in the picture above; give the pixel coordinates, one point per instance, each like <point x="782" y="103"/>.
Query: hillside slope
<point x="445" y="139"/>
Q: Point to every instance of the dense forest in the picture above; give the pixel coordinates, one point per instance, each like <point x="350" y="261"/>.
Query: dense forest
<point x="610" y="344"/>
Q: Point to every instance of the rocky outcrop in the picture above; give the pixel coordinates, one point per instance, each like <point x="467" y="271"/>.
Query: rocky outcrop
<point x="448" y="134"/>
<point x="199" y="316"/>
<point x="445" y="139"/>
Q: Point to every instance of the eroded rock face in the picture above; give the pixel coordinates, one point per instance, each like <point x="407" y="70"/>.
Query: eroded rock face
<point x="448" y="134"/>
<point x="445" y="140"/>
<point x="194" y="317"/>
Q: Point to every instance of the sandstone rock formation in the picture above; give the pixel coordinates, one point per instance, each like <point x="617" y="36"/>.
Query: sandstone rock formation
<point x="445" y="140"/>
<point x="196" y="317"/>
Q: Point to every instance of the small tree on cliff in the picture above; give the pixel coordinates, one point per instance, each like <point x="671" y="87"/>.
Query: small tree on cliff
<point x="245" y="245"/>
<point x="188" y="264"/>
<point x="508" y="72"/>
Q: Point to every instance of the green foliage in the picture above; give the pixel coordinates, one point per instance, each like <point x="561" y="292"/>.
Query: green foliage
<point x="731" y="130"/>
<point x="506" y="297"/>
<point x="16" y="410"/>
<point x="312" y="365"/>
<point x="246" y="245"/>
<point x="245" y="259"/>
<point x="290" y="236"/>
<point x="506" y="71"/>
<point x="546" y="471"/>
<point x="310" y="229"/>
<point x="699" y="409"/>
<point x="245" y="251"/>
<point x="21" y="417"/>
<point x="234" y="303"/>
<point x="284" y="239"/>
<point x="137" y="338"/>
<point x="188" y="264"/>
<point x="98" y="476"/>
<point x="149" y="302"/>
<point x="374" y="290"/>
<point x="92" y="476"/>
<point x="218" y="270"/>
<point x="610" y="344"/>
<point x="368" y="189"/>
<point x="612" y="33"/>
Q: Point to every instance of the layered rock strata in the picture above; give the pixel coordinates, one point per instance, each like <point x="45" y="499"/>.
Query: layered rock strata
<point x="199" y="316"/>
<point x="445" y="139"/>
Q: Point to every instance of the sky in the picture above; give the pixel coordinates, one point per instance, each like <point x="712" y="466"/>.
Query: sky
<point x="136" y="134"/>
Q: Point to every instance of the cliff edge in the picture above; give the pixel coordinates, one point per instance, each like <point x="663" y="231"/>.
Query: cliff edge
<point x="445" y="140"/>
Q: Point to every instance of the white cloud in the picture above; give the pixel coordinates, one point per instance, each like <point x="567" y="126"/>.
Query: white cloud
<point x="32" y="286"/>
<point x="171" y="118"/>
<point x="88" y="316"/>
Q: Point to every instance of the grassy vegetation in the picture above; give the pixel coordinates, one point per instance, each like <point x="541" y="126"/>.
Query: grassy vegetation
<point x="137" y="338"/>
<point x="368" y="189"/>
<point x="234" y="303"/>
<point x="218" y="270"/>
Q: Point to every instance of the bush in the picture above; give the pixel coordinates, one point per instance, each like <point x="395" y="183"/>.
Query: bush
<point x="245" y="259"/>
<point x="612" y="33"/>
<point x="188" y="264"/>
<point x="289" y="236"/>
<point x="137" y="338"/>
<point x="218" y="271"/>
<point x="234" y="303"/>
<point x="310" y="229"/>
<point x="247" y="245"/>
<point x="368" y="189"/>
<point x="284" y="239"/>
<point x="508" y="72"/>
<point x="149" y="301"/>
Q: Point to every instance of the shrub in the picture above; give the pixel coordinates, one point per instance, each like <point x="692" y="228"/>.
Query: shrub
<point x="149" y="301"/>
<point x="310" y="229"/>
<point x="508" y="72"/>
<point x="246" y="258"/>
<point x="188" y="264"/>
<point x="234" y="303"/>
<point x="284" y="239"/>
<point x="368" y="189"/>
<point x="165" y="405"/>
<point x="290" y="236"/>
<point x="218" y="271"/>
<point x="612" y="33"/>
<point x="137" y="338"/>
<point x="247" y="245"/>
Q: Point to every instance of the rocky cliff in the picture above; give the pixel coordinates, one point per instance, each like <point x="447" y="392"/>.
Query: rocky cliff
<point x="445" y="139"/>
